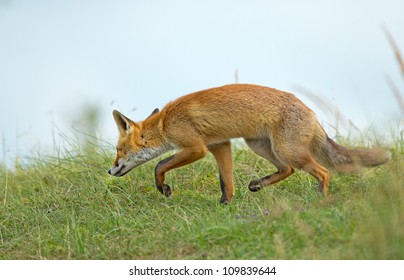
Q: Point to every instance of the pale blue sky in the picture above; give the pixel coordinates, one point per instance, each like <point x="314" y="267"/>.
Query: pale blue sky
<point x="57" y="55"/>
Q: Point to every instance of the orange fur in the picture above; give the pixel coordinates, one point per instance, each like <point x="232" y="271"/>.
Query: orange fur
<point x="275" y="124"/>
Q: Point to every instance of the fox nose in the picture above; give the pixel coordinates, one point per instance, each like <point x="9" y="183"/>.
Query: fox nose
<point x="109" y="172"/>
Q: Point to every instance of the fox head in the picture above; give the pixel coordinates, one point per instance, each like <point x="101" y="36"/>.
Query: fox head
<point x="137" y="144"/>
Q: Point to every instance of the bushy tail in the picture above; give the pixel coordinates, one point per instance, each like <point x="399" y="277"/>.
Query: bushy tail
<point x="342" y="159"/>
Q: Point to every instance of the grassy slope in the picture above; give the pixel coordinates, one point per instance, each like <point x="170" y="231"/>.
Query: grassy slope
<point x="71" y="208"/>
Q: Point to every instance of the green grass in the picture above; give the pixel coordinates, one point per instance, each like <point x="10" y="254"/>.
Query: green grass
<point x="70" y="208"/>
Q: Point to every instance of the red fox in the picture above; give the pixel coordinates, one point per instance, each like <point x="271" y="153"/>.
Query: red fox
<point x="275" y="124"/>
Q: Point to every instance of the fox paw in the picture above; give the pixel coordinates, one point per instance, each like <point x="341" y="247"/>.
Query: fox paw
<point x="224" y="200"/>
<point x="165" y="189"/>
<point x="255" y="185"/>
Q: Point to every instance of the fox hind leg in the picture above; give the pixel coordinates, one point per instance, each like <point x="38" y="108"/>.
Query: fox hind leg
<point x="320" y="173"/>
<point x="293" y="156"/>
<point x="299" y="157"/>
<point x="263" y="148"/>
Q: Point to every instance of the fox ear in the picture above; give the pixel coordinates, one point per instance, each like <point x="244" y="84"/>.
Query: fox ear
<point x="155" y="111"/>
<point x="124" y="123"/>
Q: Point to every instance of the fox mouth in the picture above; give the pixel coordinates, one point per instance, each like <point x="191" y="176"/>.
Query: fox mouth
<point x="136" y="159"/>
<point x="118" y="171"/>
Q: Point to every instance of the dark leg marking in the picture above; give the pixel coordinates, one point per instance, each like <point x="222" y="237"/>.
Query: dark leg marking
<point x="223" y="199"/>
<point x="159" y="178"/>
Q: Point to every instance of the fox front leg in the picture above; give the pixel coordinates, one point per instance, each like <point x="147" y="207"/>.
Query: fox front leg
<point x="159" y="178"/>
<point x="181" y="158"/>
<point x="222" y="154"/>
